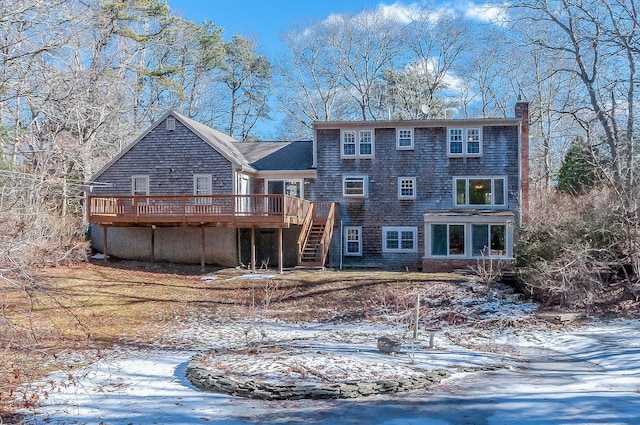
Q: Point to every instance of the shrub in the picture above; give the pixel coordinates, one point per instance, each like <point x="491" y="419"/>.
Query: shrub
<point x="574" y="246"/>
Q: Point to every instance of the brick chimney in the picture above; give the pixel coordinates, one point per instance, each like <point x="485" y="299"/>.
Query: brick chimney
<point x="522" y="112"/>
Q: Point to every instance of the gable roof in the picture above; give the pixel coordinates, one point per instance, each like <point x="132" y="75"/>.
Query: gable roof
<point x="250" y="156"/>
<point x="221" y="142"/>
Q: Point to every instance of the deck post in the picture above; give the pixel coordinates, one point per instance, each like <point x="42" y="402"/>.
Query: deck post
<point x="280" y="255"/>
<point x="253" y="250"/>
<point x="202" y="246"/>
<point x="104" y="242"/>
<point x="153" y="243"/>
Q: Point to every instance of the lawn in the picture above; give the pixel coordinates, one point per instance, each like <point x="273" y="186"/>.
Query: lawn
<point x="69" y="314"/>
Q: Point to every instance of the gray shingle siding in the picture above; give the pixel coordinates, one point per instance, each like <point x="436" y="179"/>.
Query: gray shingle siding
<point x="170" y="166"/>
<point x="433" y="170"/>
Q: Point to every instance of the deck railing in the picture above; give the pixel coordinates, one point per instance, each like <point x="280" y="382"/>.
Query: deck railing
<point x="198" y="208"/>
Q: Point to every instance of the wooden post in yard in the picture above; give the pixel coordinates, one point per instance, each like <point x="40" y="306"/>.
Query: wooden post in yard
<point x="153" y="243"/>
<point x="417" y="318"/>
<point x="202" y="246"/>
<point x="280" y="254"/>
<point x="104" y="242"/>
<point x="253" y="250"/>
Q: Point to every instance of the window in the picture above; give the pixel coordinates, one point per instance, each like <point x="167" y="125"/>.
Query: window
<point x="447" y="239"/>
<point x="352" y="241"/>
<point x="404" y="138"/>
<point x="140" y="185"/>
<point x="484" y="239"/>
<point x="479" y="191"/>
<point x="349" y="143"/>
<point x="202" y="187"/>
<point x="473" y="141"/>
<point x="455" y="141"/>
<point x="357" y="144"/>
<point x="293" y="188"/>
<point x="406" y="188"/>
<point x="171" y="124"/>
<point x="399" y="239"/>
<point x="488" y="239"/>
<point x="366" y="143"/>
<point x="465" y="142"/>
<point x="202" y="184"/>
<point x="355" y="186"/>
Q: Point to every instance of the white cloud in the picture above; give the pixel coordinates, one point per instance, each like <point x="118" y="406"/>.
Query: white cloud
<point x="494" y="13"/>
<point x="404" y="13"/>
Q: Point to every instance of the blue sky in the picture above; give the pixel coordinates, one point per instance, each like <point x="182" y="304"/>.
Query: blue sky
<point x="264" y="20"/>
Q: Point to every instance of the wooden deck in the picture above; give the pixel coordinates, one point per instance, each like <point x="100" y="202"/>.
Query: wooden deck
<point x="267" y="211"/>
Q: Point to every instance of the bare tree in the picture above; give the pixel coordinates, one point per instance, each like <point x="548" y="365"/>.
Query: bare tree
<point x="363" y="46"/>
<point x="597" y="40"/>
<point x="311" y="89"/>
<point x="438" y="41"/>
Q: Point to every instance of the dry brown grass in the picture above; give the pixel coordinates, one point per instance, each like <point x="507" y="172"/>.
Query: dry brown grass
<point x="74" y="312"/>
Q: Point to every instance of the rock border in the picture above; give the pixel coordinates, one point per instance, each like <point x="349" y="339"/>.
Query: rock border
<point x="205" y="380"/>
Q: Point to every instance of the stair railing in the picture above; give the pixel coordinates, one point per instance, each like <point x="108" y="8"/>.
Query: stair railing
<point x="305" y="231"/>
<point x="325" y="242"/>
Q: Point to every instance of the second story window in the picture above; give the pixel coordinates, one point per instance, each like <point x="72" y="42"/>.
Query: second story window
<point x="464" y="142"/>
<point x="202" y="187"/>
<point x="357" y="144"/>
<point x="140" y="185"/>
<point x="355" y="186"/>
<point x="349" y="143"/>
<point x="404" y="139"/>
<point x="406" y="187"/>
<point x="480" y="191"/>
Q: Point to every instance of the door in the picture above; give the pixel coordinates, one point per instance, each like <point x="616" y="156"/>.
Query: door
<point x="243" y="188"/>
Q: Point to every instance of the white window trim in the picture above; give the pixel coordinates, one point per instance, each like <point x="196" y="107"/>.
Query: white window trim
<point x="346" y="241"/>
<point x="357" y="137"/>
<point x="489" y="225"/>
<point x="400" y="195"/>
<point x="493" y="196"/>
<point x="413" y="230"/>
<point x="464" y="142"/>
<point x="405" y="148"/>
<point x="468" y="221"/>
<point x="133" y="187"/>
<point x="365" y="185"/>
<point x="429" y="236"/>
<point x="195" y="183"/>
<point x="171" y="124"/>
<point x="284" y="182"/>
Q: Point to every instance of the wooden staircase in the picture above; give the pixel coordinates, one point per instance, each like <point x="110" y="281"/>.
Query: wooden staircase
<point x="315" y="236"/>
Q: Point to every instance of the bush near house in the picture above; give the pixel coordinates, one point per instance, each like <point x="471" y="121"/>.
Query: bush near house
<point x="577" y="248"/>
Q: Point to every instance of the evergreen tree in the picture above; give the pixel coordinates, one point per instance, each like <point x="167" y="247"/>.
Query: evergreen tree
<point x="579" y="172"/>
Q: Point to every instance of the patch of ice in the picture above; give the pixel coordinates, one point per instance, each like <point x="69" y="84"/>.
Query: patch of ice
<point x="209" y="277"/>
<point x="99" y="256"/>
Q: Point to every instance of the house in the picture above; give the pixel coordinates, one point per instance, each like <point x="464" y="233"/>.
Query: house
<point x="420" y="194"/>
<point x="183" y="192"/>
<point x="430" y="194"/>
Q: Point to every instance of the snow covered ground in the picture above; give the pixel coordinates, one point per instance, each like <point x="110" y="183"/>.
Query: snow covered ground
<point x="549" y="374"/>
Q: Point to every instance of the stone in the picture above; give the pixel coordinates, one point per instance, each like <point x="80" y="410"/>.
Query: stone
<point x="389" y="345"/>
